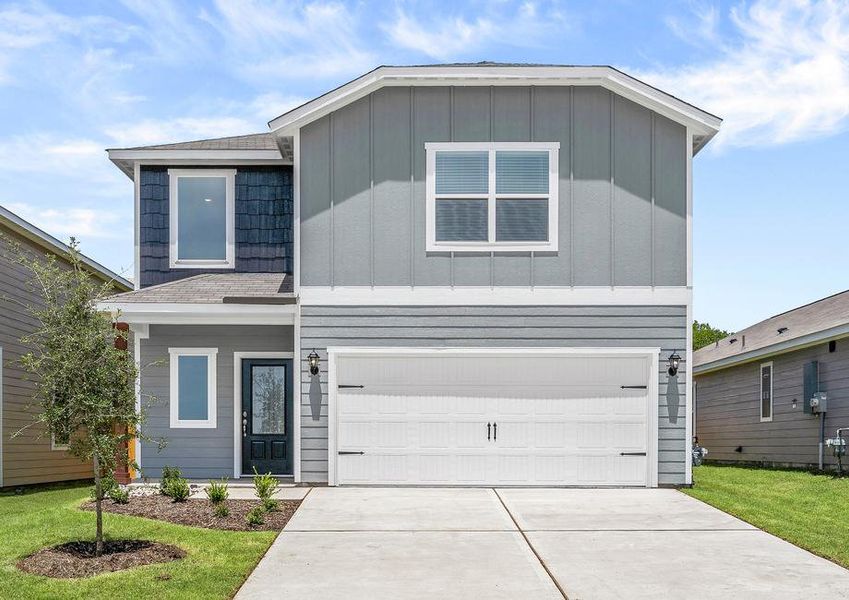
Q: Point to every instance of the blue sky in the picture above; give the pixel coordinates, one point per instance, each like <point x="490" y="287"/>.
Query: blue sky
<point x="770" y="223"/>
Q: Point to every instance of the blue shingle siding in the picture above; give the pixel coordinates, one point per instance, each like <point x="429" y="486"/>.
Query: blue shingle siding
<point x="264" y="212"/>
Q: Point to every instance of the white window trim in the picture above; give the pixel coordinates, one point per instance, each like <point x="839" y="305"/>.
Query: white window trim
<point x="174" y="389"/>
<point x="57" y="447"/>
<point x="229" y="261"/>
<point x="431" y="148"/>
<point x="761" y="395"/>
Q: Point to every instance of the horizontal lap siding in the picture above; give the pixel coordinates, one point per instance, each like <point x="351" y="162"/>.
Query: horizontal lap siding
<point x="495" y="326"/>
<point x="728" y="409"/>
<point x="199" y="453"/>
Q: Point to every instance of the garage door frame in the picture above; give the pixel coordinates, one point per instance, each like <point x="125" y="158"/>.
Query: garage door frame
<point x="653" y="354"/>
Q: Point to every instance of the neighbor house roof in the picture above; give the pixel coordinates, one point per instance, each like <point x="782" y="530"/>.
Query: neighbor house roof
<point x="51" y="244"/>
<point x="807" y="325"/>
<point x="215" y="288"/>
<point x="702" y="124"/>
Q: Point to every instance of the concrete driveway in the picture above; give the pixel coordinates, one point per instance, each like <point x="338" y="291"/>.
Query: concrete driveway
<point x="590" y="544"/>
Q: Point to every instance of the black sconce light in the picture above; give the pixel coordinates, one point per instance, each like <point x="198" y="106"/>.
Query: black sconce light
<point x="312" y="359"/>
<point x="673" y="361"/>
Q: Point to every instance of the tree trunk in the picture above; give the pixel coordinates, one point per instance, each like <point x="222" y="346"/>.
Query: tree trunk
<point x="98" y="507"/>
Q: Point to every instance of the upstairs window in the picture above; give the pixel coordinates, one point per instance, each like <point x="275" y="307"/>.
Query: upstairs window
<point x="202" y="218"/>
<point x="766" y="392"/>
<point x="492" y="196"/>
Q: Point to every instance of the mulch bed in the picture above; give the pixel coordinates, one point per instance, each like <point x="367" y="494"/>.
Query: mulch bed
<point x="198" y="513"/>
<point x="77" y="559"/>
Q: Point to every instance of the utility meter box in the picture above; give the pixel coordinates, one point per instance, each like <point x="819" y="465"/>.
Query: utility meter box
<point x="819" y="402"/>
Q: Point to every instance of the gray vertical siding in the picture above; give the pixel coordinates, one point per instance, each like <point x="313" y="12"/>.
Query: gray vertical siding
<point x="495" y="326"/>
<point x="264" y="210"/>
<point x="200" y="453"/>
<point x="622" y="188"/>
<point x="728" y="409"/>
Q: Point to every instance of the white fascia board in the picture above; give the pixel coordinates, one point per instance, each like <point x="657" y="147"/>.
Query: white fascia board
<point x="166" y="313"/>
<point x="701" y="122"/>
<point x="500" y="296"/>
<point x="792" y="345"/>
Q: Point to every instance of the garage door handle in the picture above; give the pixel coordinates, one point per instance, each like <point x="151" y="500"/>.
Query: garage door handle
<point x="634" y="387"/>
<point x="495" y="431"/>
<point x="632" y="454"/>
<point x="488" y="431"/>
<point x="343" y="452"/>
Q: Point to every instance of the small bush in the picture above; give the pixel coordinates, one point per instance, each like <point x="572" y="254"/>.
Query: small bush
<point x="178" y="489"/>
<point x="107" y="484"/>
<point x="217" y="491"/>
<point x="270" y="505"/>
<point x="169" y="474"/>
<point x="119" y="495"/>
<point x="220" y="510"/>
<point x="255" y="516"/>
<point x="265" y="485"/>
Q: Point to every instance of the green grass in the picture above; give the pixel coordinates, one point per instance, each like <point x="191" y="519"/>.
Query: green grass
<point x="217" y="562"/>
<point x="811" y="511"/>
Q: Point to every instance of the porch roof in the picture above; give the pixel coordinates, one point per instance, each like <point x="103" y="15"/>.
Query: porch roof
<point x="216" y="288"/>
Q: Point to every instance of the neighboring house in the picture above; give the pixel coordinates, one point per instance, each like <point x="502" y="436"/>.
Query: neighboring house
<point x="489" y="265"/>
<point x="32" y="456"/>
<point x="753" y="388"/>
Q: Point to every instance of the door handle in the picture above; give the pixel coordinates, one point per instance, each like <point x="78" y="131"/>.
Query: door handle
<point x="494" y="431"/>
<point x="487" y="431"/>
<point x="244" y="424"/>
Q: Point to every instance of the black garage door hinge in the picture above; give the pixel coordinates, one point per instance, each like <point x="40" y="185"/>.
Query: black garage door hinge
<point x="344" y="386"/>
<point x="632" y="454"/>
<point x="344" y="452"/>
<point x="634" y="387"/>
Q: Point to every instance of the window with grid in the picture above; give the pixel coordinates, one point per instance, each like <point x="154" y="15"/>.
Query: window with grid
<point x="492" y="196"/>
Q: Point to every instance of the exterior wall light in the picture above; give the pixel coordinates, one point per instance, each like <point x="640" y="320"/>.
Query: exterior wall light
<point x="673" y="362"/>
<point x="312" y="359"/>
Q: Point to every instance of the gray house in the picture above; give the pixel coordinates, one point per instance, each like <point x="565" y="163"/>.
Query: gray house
<point x="27" y="454"/>
<point x="457" y="274"/>
<point x="754" y="389"/>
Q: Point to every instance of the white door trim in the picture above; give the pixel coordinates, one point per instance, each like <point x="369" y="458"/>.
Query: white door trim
<point x="237" y="405"/>
<point x="653" y="354"/>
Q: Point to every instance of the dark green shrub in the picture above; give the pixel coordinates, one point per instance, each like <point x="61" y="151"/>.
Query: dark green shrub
<point x="178" y="490"/>
<point x="265" y="485"/>
<point x="119" y="495"/>
<point x="270" y="505"/>
<point x="220" y="510"/>
<point x="217" y="491"/>
<point x="169" y="474"/>
<point x="255" y="516"/>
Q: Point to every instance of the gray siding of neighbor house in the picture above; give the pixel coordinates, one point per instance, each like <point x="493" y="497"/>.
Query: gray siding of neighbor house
<point x="26" y="458"/>
<point x="199" y="453"/>
<point x="264" y="213"/>
<point x="664" y="327"/>
<point x="622" y="217"/>
<point x="728" y="409"/>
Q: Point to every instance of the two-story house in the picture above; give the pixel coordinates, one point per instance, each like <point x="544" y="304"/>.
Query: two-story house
<point x="470" y="274"/>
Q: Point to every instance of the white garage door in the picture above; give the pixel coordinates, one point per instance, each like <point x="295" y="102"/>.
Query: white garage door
<point x="494" y="418"/>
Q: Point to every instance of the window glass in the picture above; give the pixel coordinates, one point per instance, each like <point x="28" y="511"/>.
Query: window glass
<point x="268" y="398"/>
<point x="521" y="220"/>
<point x="202" y="218"/>
<point x="461" y="220"/>
<point x="766" y="392"/>
<point x="462" y="172"/>
<point x="193" y="391"/>
<point x="521" y="172"/>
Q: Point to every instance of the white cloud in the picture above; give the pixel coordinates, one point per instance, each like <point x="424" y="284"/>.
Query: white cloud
<point x="446" y="36"/>
<point x="41" y="152"/>
<point x="160" y="131"/>
<point x="80" y="223"/>
<point x="783" y="77"/>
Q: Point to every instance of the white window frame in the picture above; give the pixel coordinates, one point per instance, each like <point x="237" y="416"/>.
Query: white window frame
<point x="229" y="261"/>
<point x="761" y="395"/>
<point x="211" y="387"/>
<point x="431" y="148"/>
<point x="58" y="447"/>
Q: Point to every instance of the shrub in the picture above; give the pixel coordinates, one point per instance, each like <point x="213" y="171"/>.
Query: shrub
<point x="169" y="474"/>
<point x="217" y="491"/>
<point x="178" y="489"/>
<point x="119" y="495"/>
<point x="108" y="484"/>
<point x="220" y="510"/>
<point x="270" y="505"/>
<point x="265" y="485"/>
<point x="255" y="516"/>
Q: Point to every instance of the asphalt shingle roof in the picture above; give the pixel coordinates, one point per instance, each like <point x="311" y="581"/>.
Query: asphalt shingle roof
<point x="215" y="288"/>
<point x="812" y="318"/>
<point x="254" y="141"/>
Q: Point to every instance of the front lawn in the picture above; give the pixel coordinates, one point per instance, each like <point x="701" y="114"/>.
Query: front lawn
<point x="216" y="565"/>
<point x="811" y="511"/>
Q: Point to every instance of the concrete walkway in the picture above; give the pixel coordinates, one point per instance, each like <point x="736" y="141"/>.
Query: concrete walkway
<point x="591" y="544"/>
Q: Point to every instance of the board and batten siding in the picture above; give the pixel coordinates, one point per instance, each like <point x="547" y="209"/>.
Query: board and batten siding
<point x="664" y="327"/>
<point x="728" y="409"/>
<point x="199" y="453"/>
<point x="27" y="458"/>
<point x="622" y="217"/>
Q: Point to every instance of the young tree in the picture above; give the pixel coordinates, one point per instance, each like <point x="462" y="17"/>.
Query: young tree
<point x="84" y="385"/>
<point x="704" y="334"/>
